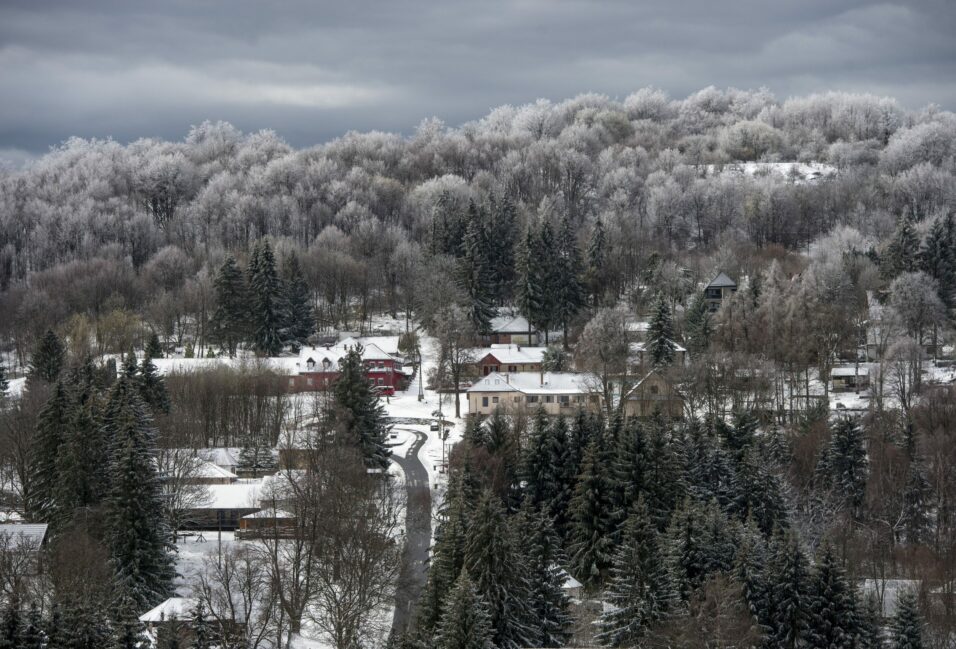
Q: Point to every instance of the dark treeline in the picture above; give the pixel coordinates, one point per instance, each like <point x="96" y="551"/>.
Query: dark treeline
<point x="694" y="534"/>
<point x="97" y="236"/>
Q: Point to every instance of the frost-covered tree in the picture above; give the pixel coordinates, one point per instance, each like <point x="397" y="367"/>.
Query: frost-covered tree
<point x="465" y="621"/>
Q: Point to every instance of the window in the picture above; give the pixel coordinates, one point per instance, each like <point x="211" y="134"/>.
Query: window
<point x="291" y="383"/>
<point x="549" y="398"/>
<point x="308" y="382"/>
<point x="564" y="399"/>
<point x="494" y="399"/>
<point x="484" y="402"/>
<point x="512" y="368"/>
<point x="655" y="389"/>
<point x="381" y="381"/>
<point x="532" y="398"/>
<point x="518" y="399"/>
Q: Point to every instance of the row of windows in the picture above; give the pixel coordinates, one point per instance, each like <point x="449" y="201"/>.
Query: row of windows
<point x="563" y="399"/>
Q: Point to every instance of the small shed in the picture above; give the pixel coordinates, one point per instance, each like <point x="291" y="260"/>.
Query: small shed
<point x="270" y="522"/>
<point x="851" y="377"/>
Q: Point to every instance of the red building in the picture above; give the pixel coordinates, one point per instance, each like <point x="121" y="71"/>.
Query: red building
<point x="318" y="367"/>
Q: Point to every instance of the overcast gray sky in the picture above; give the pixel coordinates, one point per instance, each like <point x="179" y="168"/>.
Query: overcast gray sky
<point x="312" y="70"/>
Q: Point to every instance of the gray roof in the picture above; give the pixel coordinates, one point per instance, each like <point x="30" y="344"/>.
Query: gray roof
<point x="31" y="532"/>
<point x="722" y="281"/>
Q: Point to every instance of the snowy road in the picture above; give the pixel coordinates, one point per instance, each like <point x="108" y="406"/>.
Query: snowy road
<point x="418" y="525"/>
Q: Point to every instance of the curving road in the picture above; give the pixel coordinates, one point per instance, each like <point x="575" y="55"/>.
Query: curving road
<point x="418" y="533"/>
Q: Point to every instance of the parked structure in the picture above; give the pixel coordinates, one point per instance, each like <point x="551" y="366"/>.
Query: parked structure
<point x="719" y="289"/>
<point x="558" y="392"/>
<point x="652" y="394"/>
<point x="510" y="328"/>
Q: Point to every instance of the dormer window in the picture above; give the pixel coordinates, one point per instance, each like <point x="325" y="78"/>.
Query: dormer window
<point x="310" y="364"/>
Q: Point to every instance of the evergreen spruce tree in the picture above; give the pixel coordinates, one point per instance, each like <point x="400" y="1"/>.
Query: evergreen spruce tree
<point x="869" y="634"/>
<point x="504" y="228"/>
<point x="465" y="621"/>
<point x="10" y="624"/>
<point x="907" y="624"/>
<point x="597" y="261"/>
<point x="902" y="255"/>
<point x="476" y="276"/>
<point x="757" y="495"/>
<point x="83" y="457"/>
<point x="541" y="468"/>
<point x="53" y="631"/>
<point x="4" y="383"/>
<point x="492" y="560"/>
<point x="641" y="589"/>
<point x="750" y="569"/>
<point x="189" y="351"/>
<point x="136" y="534"/>
<point x="548" y="260"/>
<point x="255" y="455"/>
<point x="846" y="458"/>
<point x="665" y="484"/>
<point x="448" y="554"/>
<point x="31" y="637"/>
<point x="229" y="322"/>
<point x="152" y="386"/>
<point x="570" y="270"/>
<point x="938" y="258"/>
<point x="790" y="582"/>
<point x="53" y="423"/>
<point x="592" y="518"/>
<point x="698" y="327"/>
<point x="359" y="413"/>
<point x="542" y="558"/>
<point x="47" y="360"/>
<point x="128" y="631"/>
<point x="833" y="610"/>
<point x="475" y="433"/>
<point x="200" y="628"/>
<point x="268" y="307"/>
<point x="630" y="465"/>
<point x="699" y="543"/>
<point x="530" y="286"/>
<point x="917" y="495"/>
<point x="153" y="347"/>
<point x="660" y="335"/>
<point x="301" y="316"/>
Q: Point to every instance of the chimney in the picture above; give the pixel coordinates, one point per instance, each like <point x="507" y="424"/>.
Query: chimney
<point x="541" y="370"/>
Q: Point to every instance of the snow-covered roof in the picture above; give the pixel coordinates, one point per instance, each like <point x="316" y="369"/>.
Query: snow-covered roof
<point x="11" y="517"/>
<point x="174" y="608"/>
<point x="220" y="455"/>
<point x="243" y="494"/>
<point x="641" y="347"/>
<point x="641" y="382"/>
<point x="512" y="353"/>
<point x="535" y="383"/>
<point x="722" y="281"/>
<point x="331" y="356"/>
<point x="862" y="370"/>
<point x="32" y="533"/>
<point x="206" y="469"/>
<point x="510" y="323"/>
<point x="270" y="513"/>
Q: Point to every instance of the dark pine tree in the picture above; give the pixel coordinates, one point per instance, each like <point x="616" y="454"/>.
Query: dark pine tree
<point x="200" y="628"/>
<point x="230" y="321"/>
<point x="846" y="458"/>
<point x="4" y="383"/>
<point x="833" y="610"/>
<point x="938" y="257"/>
<point x="31" y="637"/>
<point x="902" y="255"/>
<point x="301" y="316"/>
<point x="597" y="263"/>
<point x="790" y="585"/>
<point x="268" y="307"/>
<point x="82" y="463"/>
<point x="53" y="424"/>
<point x="465" y="620"/>
<point x="358" y="411"/>
<point x="152" y="386"/>
<point x="530" y="288"/>
<point x="917" y="503"/>
<point x="493" y="561"/>
<point x="907" y="624"/>
<point x="757" y="496"/>
<point x="541" y="466"/>
<point x="10" y="624"/>
<point x="660" y="335"/>
<point x="542" y="559"/>
<point x="153" y="347"/>
<point x="641" y="589"/>
<point x="47" y="360"/>
<point x="475" y="274"/>
<point x="593" y="519"/>
<point x="570" y="272"/>
<point x="698" y="328"/>
<point x="137" y="535"/>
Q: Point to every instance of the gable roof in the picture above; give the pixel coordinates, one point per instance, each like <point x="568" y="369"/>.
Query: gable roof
<point x="506" y="354"/>
<point x="32" y="533"/>
<point x="722" y="281"/>
<point x="510" y="323"/>
<point x="630" y="393"/>
<point x="174" y="608"/>
<point x="535" y="383"/>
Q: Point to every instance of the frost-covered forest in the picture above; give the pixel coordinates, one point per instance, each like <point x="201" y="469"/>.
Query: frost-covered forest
<point x="784" y="502"/>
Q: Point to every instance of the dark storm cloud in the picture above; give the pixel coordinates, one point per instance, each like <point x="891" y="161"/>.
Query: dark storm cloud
<point x="312" y="70"/>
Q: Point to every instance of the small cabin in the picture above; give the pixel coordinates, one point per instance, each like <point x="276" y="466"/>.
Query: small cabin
<point x="719" y="290"/>
<point x="652" y="394"/>
<point x="849" y="378"/>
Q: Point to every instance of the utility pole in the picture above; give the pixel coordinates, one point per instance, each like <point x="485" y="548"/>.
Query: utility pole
<point x="421" y="379"/>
